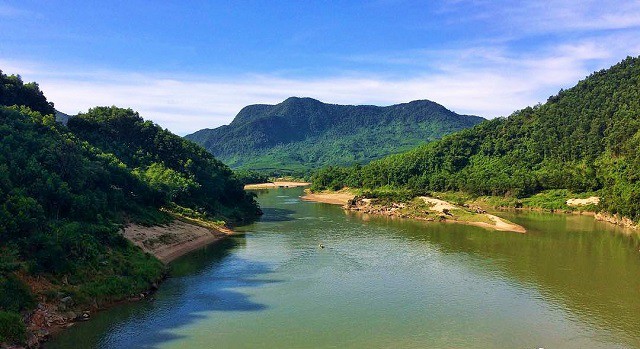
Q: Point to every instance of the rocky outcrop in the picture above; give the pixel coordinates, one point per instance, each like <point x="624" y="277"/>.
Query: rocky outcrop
<point x="617" y="220"/>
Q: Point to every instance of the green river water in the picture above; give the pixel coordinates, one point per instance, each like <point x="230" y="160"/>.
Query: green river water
<point x="570" y="282"/>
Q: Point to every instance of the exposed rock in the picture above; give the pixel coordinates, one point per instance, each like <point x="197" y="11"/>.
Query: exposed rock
<point x="66" y="300"/>
<point x="617" y="220"/>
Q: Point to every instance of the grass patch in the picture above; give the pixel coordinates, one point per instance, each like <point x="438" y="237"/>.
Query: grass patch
<point x="455" y="197"/>
<point x="466" y="216"/>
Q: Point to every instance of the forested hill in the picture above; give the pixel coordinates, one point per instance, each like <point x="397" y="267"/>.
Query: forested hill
<point x="585" y="138"/>
<point x="66" y="191"/>
<point x="303" y="133"/>
<point x="184" y="172"/>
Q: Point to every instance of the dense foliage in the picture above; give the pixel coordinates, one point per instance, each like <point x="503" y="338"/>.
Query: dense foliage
<point x="251" y="177"/>
<point x="60" y="204"/>
<point x="302" y="133"/>
<point x="584" y="139"/>
<point x="183" y="172"/>
<point x="65" y="193"/>
<point x="14" y="92"/>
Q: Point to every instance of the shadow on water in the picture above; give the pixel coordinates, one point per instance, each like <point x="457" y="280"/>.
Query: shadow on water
<point x="202" y="282"/>
<point x="272" y="214"/>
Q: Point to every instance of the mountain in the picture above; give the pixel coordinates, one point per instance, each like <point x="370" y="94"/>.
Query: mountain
<point x="303" y="133"/>
<point x="62" y="117"/>
<point x="66" y="191"/>
<point x="583" y="139"/>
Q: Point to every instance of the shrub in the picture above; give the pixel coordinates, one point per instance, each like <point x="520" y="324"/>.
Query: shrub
<point x="14" y="294"/>
<point x="12" y="329"/>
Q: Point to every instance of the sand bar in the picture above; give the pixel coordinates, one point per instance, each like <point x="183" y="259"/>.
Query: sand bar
<point x="437" y="205"/>
<point x="339" y="198"/>
<point x="271" y="185"/>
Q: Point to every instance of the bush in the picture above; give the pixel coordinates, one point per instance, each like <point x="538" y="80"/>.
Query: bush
<point x="14" y="294"/>
<point x="12" y="329"/>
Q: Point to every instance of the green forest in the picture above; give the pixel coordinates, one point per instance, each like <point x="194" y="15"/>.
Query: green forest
<point x="65" y="193"/>
<point x="302" y="134"/>
<point x="584" y="139"/>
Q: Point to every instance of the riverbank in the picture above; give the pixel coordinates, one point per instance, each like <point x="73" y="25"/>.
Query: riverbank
<point x="165" y="242"/>
<point x="334" y="198"/>
<point x="420" y="208"/>
<point x="276" y="184"/>
<point x="551" y="201"/>
<point x="170" y="241"/>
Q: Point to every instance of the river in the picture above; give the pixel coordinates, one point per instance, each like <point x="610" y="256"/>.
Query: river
<point x="570" y="282"/>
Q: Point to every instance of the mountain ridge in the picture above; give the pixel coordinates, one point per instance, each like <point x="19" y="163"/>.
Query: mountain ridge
<point x="300" y="131"/>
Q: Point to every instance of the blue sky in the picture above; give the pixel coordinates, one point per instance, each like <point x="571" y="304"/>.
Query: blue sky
<point x="193" y="64"/>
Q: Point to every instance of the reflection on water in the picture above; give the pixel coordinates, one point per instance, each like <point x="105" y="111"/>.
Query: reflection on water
<point x="203" y="281"/>
<point x="274" y="214"/>
<point x="570" y="282"/>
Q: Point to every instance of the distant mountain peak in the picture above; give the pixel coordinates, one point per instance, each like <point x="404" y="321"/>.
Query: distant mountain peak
<point x="298" y="126"/>
<point x="294" y="99"/>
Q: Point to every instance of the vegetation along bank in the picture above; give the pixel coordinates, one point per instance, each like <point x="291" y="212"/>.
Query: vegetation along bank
<point x="66" y="194"/>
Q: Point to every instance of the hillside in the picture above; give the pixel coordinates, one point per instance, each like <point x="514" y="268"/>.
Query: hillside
<point x="302" y="133"/>
<point x="183" y="172"/>
<point x="66" y="192"/>
<point x="583" y="139"/>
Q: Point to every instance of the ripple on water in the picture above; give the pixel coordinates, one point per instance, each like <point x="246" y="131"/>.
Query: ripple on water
<point x="383" y="283"/>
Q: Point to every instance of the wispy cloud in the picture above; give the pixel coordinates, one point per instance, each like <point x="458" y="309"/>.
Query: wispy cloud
<point x="490" y="77"/>
<point x="484" y="82"/>
<point x="7" y="11"/>
<point x="532" y="16"/>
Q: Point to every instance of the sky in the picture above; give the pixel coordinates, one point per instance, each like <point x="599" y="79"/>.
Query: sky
<point x="189" y="65"/>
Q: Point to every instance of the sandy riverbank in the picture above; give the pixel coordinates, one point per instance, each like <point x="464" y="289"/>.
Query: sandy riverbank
<point x="444" y="211"/>
<point x="168" y="242"/>
<point x="334" y="198"/>
<point x="277" y="184"/>
<point x="441" y="206"/>
<point x="499" y="225"/>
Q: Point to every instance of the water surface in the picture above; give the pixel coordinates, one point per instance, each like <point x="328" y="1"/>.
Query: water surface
<point x="570" y="282"/>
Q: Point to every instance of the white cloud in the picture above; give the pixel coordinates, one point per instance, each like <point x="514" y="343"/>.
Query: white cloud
<point x="488" y="81"/>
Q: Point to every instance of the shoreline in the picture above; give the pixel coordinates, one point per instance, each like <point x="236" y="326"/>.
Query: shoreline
<point x="338" y="198"/>
<point x="440" y="210"/>
<point x="342" y="198"/>
<point x="165" y="242"/>
<point x="276" y="184"/>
